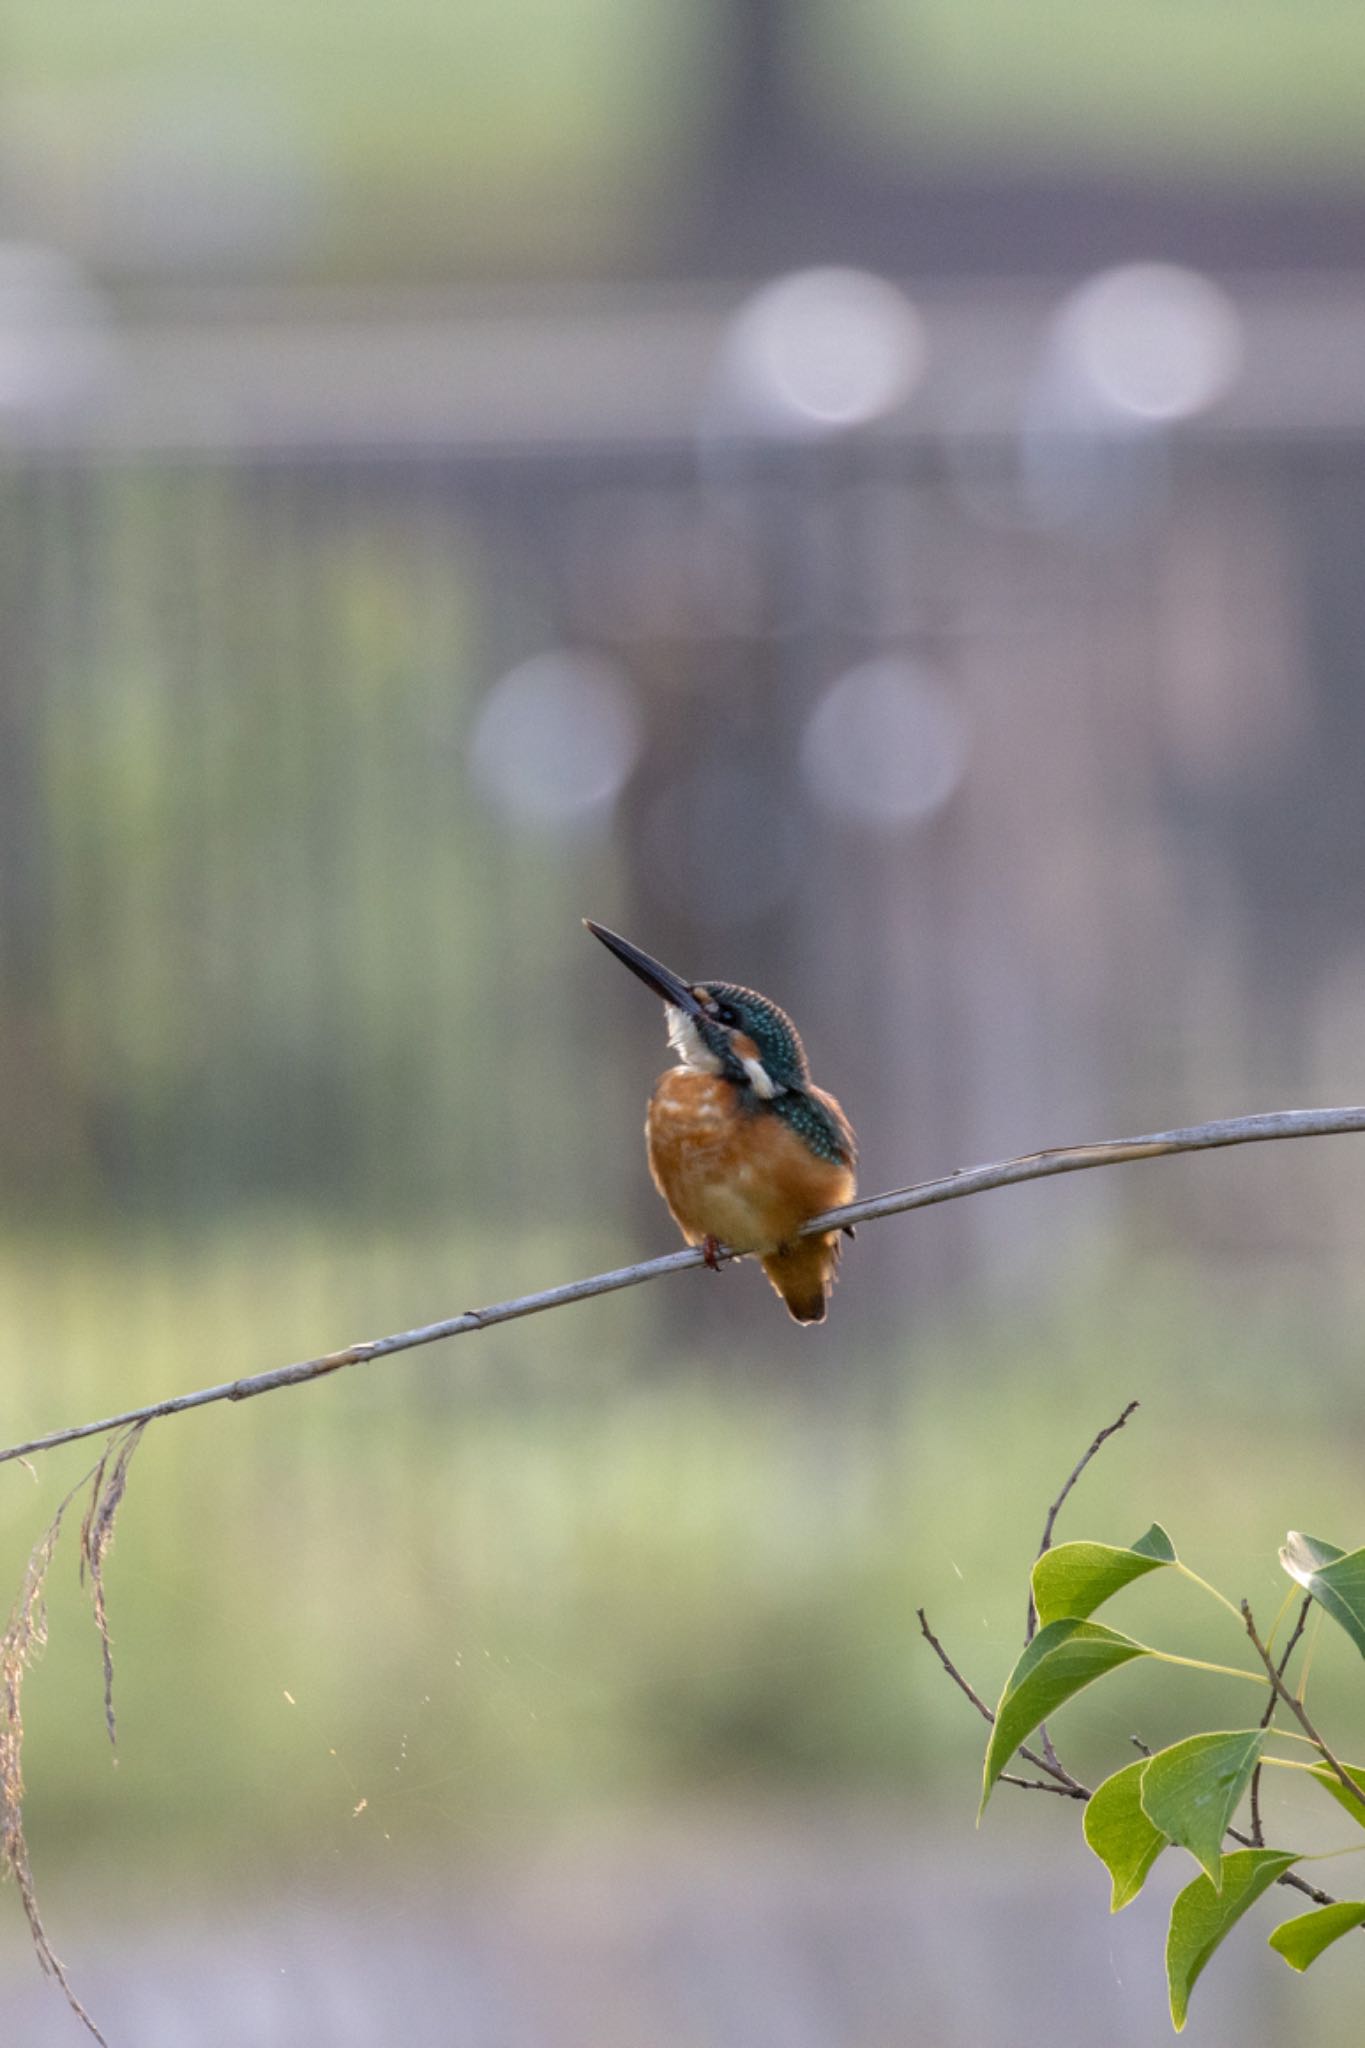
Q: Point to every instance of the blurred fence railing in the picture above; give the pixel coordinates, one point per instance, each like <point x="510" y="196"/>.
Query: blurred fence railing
<point x="345" y="662"/>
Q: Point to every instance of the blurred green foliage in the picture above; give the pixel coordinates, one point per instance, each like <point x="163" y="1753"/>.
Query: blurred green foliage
<point x="416" y="140"/>
<point x="261" y="911"/>
<point x="412" y="139"/>
<point x="1193" y="89"/>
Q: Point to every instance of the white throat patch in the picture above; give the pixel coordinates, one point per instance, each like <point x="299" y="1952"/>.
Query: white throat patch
<point x="687" y="1042"/>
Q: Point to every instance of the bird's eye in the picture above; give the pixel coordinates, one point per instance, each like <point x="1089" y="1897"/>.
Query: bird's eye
<point x="727" y="1014"/>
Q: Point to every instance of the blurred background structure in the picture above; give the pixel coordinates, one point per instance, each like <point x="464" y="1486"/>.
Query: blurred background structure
<point x="867" y="500"/>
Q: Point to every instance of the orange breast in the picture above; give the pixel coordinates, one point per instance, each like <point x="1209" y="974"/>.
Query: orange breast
<point x="733" y="1171"/>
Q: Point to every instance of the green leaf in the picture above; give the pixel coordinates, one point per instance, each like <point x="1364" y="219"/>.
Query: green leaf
<point x="1327" y="1777"/>
<point x="1302" y="1941"/>
<point x="1335" y="1578"/>
<point x="1120" y="1833"/>
<point x="1156" y="1543"/>
<point x="1305" y="1553"/>
<point x="1076" y="1578"/>
<point x="1191" y="1791"/>
<point x="1061" y="1660"/>
<point x="1201" y="1917"/>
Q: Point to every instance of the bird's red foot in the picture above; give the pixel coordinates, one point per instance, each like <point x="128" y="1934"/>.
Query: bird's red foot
<point x="710" y="1251"/>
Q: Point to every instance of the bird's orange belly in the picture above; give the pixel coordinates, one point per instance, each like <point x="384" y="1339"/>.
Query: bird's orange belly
<point x="732" y="1172"/>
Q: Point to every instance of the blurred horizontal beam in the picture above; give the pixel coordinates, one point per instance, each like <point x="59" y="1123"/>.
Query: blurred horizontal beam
<point x="976" y="1180"/>
<point x="602" y="368"/>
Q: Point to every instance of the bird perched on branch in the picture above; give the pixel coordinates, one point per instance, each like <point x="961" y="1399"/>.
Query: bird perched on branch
<point x="743" y="1147"/>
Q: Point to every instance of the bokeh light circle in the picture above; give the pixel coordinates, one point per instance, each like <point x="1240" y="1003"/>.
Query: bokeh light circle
<point x="555" y="740"/>
<point x="886" y="745"/>
<point x="823" y="349"/>
<point x="1151" y="340"/>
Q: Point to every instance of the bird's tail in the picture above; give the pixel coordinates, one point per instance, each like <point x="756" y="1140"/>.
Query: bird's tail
<point x="803" y="1274"/>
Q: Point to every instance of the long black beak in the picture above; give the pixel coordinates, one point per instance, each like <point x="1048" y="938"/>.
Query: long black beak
<point x="651" y="972"/>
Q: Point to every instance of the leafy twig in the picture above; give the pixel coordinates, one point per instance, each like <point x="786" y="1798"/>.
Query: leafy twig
<point x="1049" y="1761"/>
<point x="1286" y="1877"/>
<point x="1063" y="1780"/>
<point x="1298" y="1709"/>
<point x="1069" y="1787"/>
<point x="1049" y="1525"/>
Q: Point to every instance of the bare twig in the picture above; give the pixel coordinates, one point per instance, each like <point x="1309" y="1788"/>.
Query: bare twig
<point x="1257" y="1832"/>
<point x="1050" y="1524"/>
<point x="963" y="1685"/>
<point x="977" y="1180"/>
<point x="1298" y="1709"/>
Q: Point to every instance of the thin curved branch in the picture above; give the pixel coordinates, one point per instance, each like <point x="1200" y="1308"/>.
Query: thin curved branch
<point x="976" y="1180"/>
<point x="1112" y="1429"/>
<point x="1257" y="1832"/>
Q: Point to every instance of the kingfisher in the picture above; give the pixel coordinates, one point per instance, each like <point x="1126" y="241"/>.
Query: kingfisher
<point x="743" y="1147"/>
